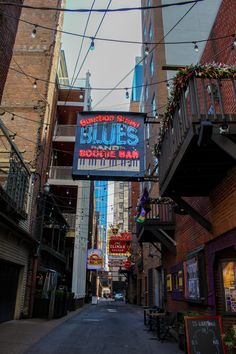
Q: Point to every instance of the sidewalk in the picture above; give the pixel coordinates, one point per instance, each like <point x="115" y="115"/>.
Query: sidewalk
<point x="18" y="335"/>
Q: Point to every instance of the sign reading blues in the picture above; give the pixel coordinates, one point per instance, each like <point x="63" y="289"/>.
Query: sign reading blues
<point x="109" y="145"/>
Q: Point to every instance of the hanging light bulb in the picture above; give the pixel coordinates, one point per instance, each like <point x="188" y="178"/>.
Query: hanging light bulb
<point x="196" y="47"/>
<point x="35" y="84"/>
<point x="168" y="85"/>
<point x="92" y="45"/>
<point x="156" y="114"/>
<point x="13" y="116"/>
<point x="69" y="202"/>
<point x="234" y="42"/>
<point x="34" y="32"/>
<point x="126" y="93"/>
<point x="146" y="50"/>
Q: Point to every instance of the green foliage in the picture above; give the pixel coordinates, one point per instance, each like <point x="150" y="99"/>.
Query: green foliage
<point x="180" y="83"/>
<point x="229" y="339"/>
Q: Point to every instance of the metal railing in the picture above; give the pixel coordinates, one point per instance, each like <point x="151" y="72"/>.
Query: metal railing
<point x="205" y="99"/>
<point x="14" y="174"/>
<point x="65" y="130"/>
<point x="161" y="212"/>
<point x="60" y="172"/>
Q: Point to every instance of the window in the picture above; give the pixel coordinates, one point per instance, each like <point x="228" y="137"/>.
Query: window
<point x="192" y="286"/>
<point x="144" y="32"/>
<point x="152" y="67"/>
<point x="147" y="131"/>
<point x="168" y="282"/>
<point x="195" y="287"/>
<point x="229" y="285"/>
<point x="154" y="105"/>
<point x="150" y="32"/>
<point x="146" y="91"/>
<point x="121" y="205"/>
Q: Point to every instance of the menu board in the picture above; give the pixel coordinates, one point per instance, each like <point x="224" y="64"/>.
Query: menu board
<point x="204" y="335"/>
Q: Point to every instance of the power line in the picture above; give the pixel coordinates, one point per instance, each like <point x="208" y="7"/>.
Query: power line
<point x="143" y="58"/>
<point x="121" y="9"/>
<point x="92" y="88"/>
<point x="116" y="40"/>
<point x="80" y="50"/>
<point x="85" y="57"/>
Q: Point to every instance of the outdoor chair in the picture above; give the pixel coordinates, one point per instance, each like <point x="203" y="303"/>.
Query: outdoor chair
<point x="168" y="327"/>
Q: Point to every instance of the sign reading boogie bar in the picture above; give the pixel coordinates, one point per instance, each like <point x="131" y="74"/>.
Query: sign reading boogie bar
<point x="109" y="145"/>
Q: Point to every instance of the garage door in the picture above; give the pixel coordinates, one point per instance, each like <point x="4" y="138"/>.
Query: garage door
<point x="9" y="276"/>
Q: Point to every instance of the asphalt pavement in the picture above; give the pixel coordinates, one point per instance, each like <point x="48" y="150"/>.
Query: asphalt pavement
<point x="105" y="328"/>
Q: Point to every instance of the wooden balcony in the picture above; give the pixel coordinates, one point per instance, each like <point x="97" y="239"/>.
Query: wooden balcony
<point x="159" y="226"/>
<point x="197" y="147"/>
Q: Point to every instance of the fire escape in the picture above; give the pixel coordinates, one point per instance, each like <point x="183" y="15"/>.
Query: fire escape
<point x="14" y="178"/>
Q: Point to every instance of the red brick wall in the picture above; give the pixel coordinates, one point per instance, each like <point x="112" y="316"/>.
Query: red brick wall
<point x="33" y="58"/>
<point x="219" y="208"/>
<point x="8" y="29"/>
<point x="224" y="25"/>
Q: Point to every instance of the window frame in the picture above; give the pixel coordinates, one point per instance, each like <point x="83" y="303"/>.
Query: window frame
<point x="222" y="289"/>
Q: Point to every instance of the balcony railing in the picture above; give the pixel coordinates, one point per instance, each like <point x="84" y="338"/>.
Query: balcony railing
<point x="208" y="102"/>
<point x="61" y="172"/>
<point x="160" y="214"/>
<point x="14" y="176"/>
<point x="65" y="130"/>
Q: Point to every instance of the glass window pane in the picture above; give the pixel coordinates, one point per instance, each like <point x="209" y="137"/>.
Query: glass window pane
<point x="229" y="283"/>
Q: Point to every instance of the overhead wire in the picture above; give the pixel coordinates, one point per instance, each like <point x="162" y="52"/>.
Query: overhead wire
<point x="121" y="9"/>
<point x="88" y="50"/>
<point x="82" y="42"/>
<point x="143" y="58"/>
<point x="112" y="39"/>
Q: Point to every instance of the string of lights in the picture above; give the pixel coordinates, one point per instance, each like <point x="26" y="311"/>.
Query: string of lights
<point x="91" y="47"/>
<point x="90" y="37"/>
<point x="121" y="9"/>
<point x="143" y="58"/>
<point x="91" y="88"/>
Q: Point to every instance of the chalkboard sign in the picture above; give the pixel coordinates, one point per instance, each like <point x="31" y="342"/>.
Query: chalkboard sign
<point x="204" y="335"/>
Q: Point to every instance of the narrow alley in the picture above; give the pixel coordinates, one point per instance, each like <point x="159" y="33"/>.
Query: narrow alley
<point x="104" y="328"/>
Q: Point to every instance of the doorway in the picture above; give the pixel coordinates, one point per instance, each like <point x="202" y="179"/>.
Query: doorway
<point x="9" y="278"/>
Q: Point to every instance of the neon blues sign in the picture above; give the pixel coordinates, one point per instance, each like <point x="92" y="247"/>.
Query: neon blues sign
<point x="109" y="145"/>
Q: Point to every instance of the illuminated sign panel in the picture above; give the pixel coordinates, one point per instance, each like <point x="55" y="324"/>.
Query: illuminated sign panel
<point x="94" y="259"/>
<point x="109" y="145"/>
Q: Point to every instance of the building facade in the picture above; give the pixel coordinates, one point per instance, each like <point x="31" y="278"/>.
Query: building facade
<point x="198" y="252"/>
<point x="28" y="101"/>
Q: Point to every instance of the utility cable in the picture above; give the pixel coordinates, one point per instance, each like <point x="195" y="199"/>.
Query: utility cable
<point x="80" y="50"/>
<point x="85" y="57"/>
<point x="112" y="39"/>
<point x="143" y="58"/>
<point x="122" y="9"/>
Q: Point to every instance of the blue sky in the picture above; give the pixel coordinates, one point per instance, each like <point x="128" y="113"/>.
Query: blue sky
<point x="109" y="62"/>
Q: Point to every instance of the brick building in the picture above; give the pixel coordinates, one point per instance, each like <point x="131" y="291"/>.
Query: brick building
<point x="201" y="273"/>
<point x="29" y="102"/>
<point x="200" y="236"/>
<point x="8" y="29"/>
